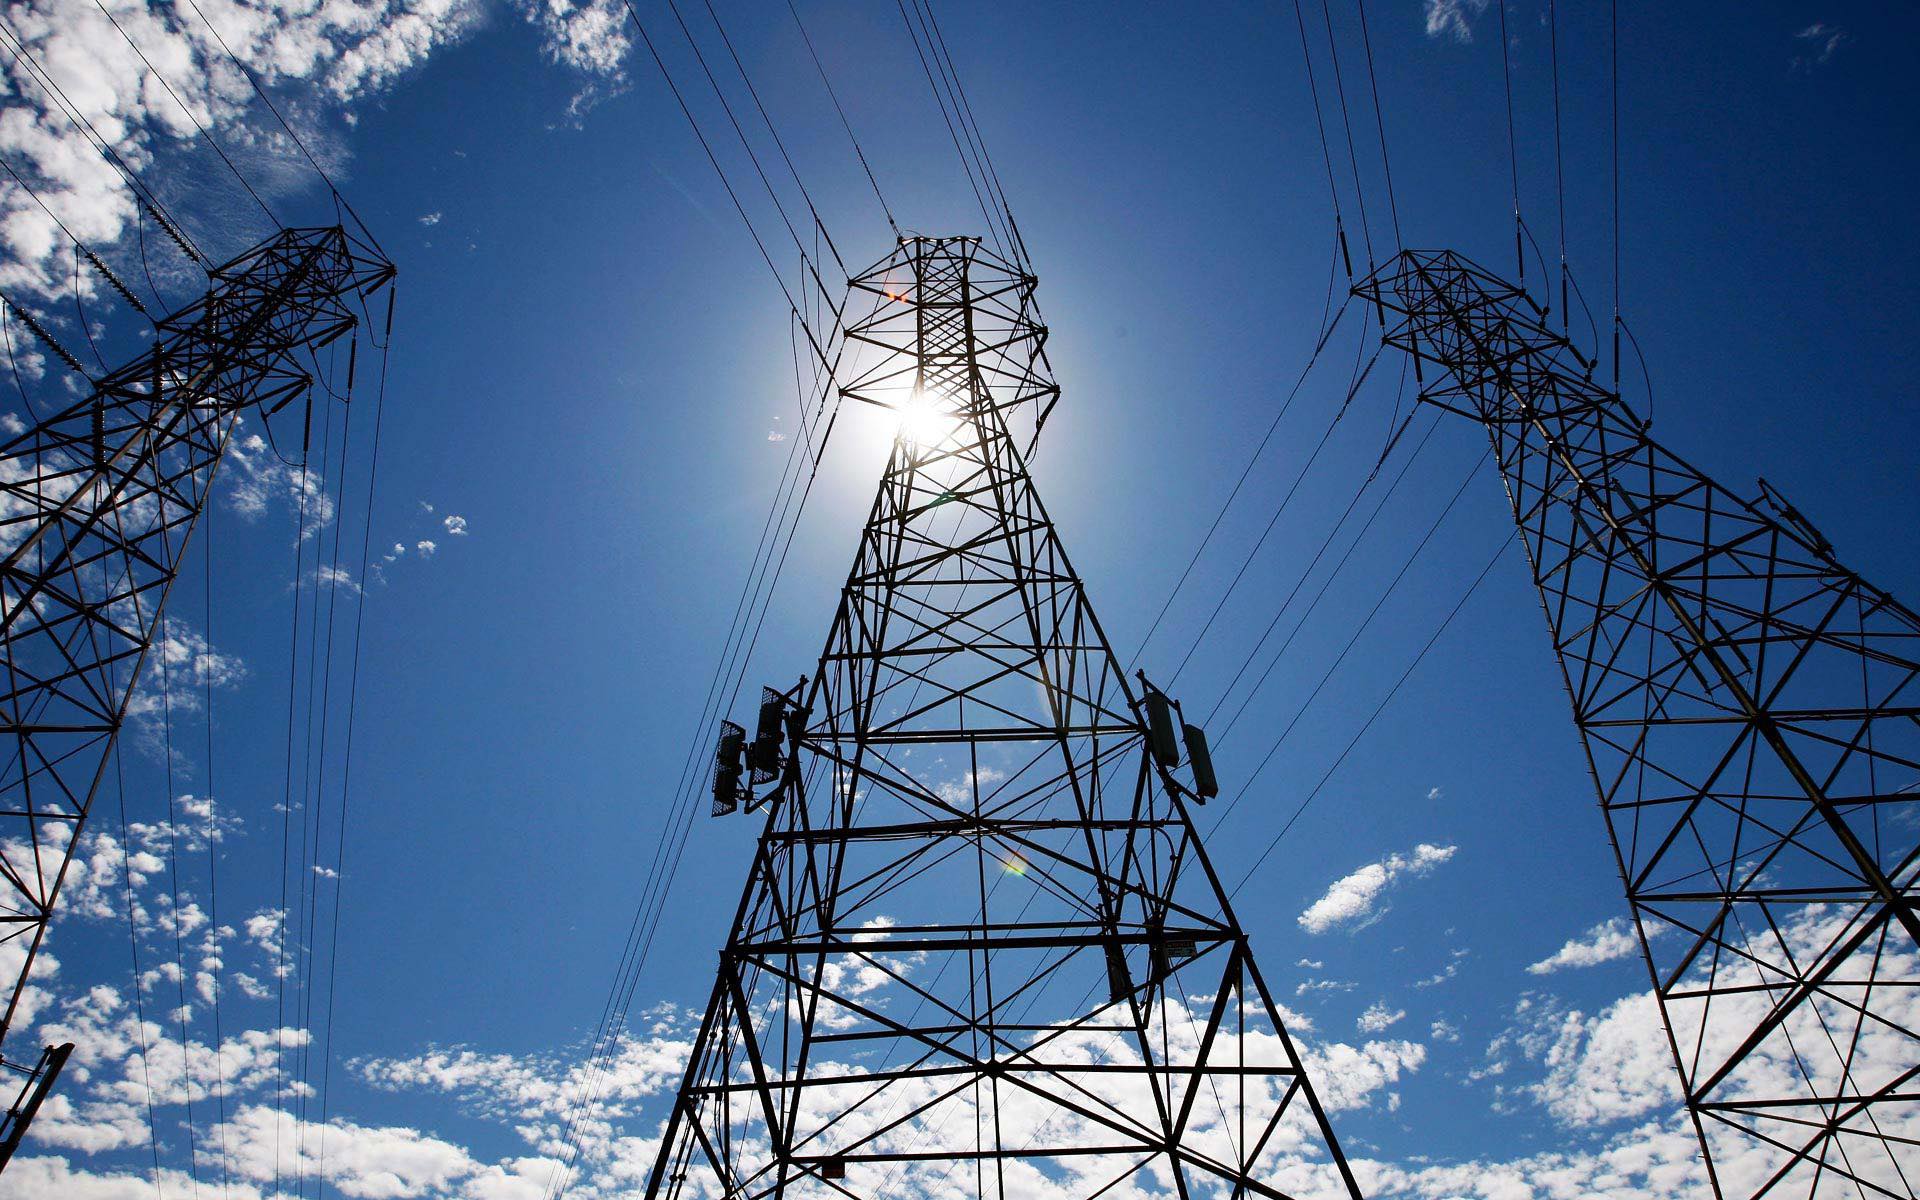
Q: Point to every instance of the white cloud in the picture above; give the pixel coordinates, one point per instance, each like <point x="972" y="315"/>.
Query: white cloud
<point x="1311" y="986"/>
<point x="259" y="479"/>
<point x="1453" y="18"/>
<point x="320" y="60"/>
<point x="588" y="35"/>
<point x="1451" y="969"/>
<point x="1656" y="1161"/>
<point x="432" y="218"/>
<point x="1378" y="1018"/>
<point x="1823" y="41"/>
<point x="1434" y="793"/>
<point x="1352" y="899"/>
<point x="1605" y="942"/>
<point x="1612" y="1066"/>
<point x="325" y="55"/>
<point x="425" y="548"/>
<point x="457" y="526"/>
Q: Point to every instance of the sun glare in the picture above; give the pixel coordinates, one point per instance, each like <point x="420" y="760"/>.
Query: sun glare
<point x="924" y="421"/>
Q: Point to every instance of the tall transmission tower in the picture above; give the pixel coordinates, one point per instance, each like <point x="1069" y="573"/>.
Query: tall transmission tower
<point x="97" y="505"/>
<point x="1751" y="718"/>
<point x="980" y="945"/>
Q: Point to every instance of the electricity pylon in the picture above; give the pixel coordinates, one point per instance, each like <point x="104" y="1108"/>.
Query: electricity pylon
<point x="97" y="504"/>
<point x="981" y="949"/>
<point x="1751" y="718"/>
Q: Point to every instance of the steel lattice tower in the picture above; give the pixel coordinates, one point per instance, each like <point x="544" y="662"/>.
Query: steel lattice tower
<point x="97" y="504"/>
<point x="980" y="944"/>
<point x="1751" y="718"/>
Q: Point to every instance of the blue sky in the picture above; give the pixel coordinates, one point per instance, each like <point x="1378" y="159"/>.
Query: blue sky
<point x="590" y="367"/>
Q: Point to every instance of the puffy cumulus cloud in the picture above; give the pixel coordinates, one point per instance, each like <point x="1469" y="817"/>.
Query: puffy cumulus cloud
<point x="1653" y="1162"/>
<point x="368" y="1162"/>
<point x="108" y="62"/>
<point x="260" y="1145"/>
<point x="1353" y="899"/>
<point x="1841" y="1039"/>
<point x="1378" y="1018"/>
<point x="1347" y="1077"/>
<point x="1605" y="942"/>
<point x="590" y="36"/>
<point x="535" y="1096"/>
<point x="96" y="58"/>
<point x="1612" y="1066"/>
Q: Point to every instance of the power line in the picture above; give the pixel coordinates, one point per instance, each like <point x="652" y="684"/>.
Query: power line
<point x="1306" y="573"/>
<point x="940" y="99"/>
<point x="1326" y="332"/>
<point x="218" y="966"/>
<point x="1559" y="169"/>
<point x="964" y="105"/>
<point x="1613" y="129"/>
<point x="1380" y="123"/>
<point x="143" y="195"/>
<point x="725" y="181"/>
<point x="1320" y="124"/>
<point x="173" y="898"/>
<point x="746" y="144"/>
<point x="1340" y="658"/>
<point x="844" y="123"/>
<point x="133" y="952"/>
<point x="346" y="768"/>
<point x="1346" y="121"/>
<point x="205" y="134"/>
<point x="1286" y="501"/>
<point x="298" y="141"/>
<point x="778" y="143"/>
<point x="1513" y="148"/>
<point x="1368" y="724"/>
<point x="756" y="595"/>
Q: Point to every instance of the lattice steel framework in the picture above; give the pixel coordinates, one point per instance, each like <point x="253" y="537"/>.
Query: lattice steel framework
<point x="1749" y="711"/>
<point x="981" y="946"/>
<point x="97" y="504"/>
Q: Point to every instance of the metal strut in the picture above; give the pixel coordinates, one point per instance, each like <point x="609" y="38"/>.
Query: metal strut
<point x="981" y="943"/>
<point x="97" y="504"/>
<point x="1751" y="720"/>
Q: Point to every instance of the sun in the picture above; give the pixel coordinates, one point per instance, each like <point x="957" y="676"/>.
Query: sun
<point x="926" y="420"/>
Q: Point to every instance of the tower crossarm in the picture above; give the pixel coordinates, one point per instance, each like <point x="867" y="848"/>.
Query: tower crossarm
<point x="1747" y="705"/>
<point x="97" y="505"/>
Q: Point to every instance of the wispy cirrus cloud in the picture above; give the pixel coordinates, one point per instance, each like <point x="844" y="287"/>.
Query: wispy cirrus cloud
<point x="1452" y="18"/>
<point x="1820" y="42"/>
